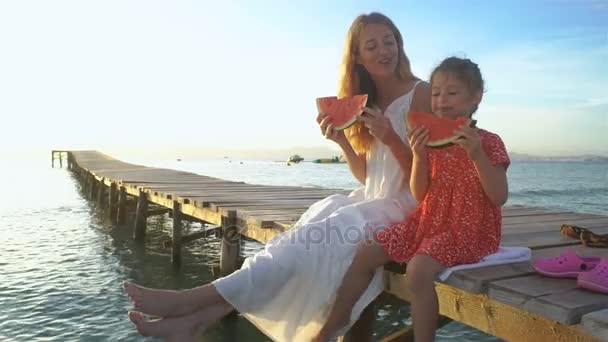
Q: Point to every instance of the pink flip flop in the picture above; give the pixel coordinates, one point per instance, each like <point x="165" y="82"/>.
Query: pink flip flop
<point x="566" y="265"/>
<point x="596" y="279"/>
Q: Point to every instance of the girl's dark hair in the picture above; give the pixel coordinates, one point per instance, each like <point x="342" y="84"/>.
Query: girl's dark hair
<point x="465" y="70"/>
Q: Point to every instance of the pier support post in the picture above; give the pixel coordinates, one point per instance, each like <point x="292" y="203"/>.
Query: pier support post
<point x="121" y="217"/>
<point x="60" y="159"/>
<point x="52" y="159"/>
<point x="231" y="244"/>
<point x="176" y="242"/>
<point x="112" y="199"/>
<point x="141" y="217"/>
<point x="363" y="328"/>
<point x="101" y="192"/>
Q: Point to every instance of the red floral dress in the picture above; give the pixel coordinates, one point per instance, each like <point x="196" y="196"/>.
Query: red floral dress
<point x="456" y="222"/>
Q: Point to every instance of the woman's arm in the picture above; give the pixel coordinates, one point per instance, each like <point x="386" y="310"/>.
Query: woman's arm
<point x="356" y="163"/>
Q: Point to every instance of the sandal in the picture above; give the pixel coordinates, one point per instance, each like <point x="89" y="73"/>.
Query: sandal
<point x="587" y="237"/>
<point x="566" y="265"/>
<point x="596" y="279"/>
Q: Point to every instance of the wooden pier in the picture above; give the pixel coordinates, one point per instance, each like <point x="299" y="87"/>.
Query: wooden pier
<point x="509" y="301"/>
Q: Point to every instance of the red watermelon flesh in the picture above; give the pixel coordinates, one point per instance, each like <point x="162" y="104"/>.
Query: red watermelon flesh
<point x="441" y="130"/>
<point x="342" y="111"/>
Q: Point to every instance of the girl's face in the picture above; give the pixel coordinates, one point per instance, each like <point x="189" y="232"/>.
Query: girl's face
<point x="450" y="97"/>
<point x="378" y="50"/>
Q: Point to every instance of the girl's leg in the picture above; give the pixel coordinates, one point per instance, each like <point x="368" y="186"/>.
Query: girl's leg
<point x="165" y="303"/>
<point x="368" y="258"/>
<point x="421" y="273"/>
<point x="180" y="328"/>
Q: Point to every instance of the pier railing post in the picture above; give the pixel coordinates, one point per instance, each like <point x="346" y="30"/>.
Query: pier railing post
<point x="176" y="242"/>
<point x="122" y="206"/>
<point x="112" y="199"/>
<point x="141" y="217"/>
<point x="231" y="244"/>
<point x="92" y="186"/>
<point x="101" y="192"/>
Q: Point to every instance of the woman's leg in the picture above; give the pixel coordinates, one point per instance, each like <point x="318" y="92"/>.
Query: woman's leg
<point x="164" y="303"/>
<point x="369" y="257"/>
<point x="180" y="328"/>
<point x="421" y="273"/>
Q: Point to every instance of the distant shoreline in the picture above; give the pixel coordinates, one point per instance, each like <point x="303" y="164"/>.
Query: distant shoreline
<point x="582" y="158"/>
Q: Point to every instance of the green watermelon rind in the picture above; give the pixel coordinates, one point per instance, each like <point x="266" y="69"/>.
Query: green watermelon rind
<point x="350" y="122"/>
<point x="442" y="142"/>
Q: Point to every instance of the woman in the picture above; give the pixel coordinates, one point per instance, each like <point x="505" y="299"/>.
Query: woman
<point x="287" y="289"/>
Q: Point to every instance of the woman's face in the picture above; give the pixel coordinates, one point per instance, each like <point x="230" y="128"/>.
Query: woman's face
<point x="378" y="50"/>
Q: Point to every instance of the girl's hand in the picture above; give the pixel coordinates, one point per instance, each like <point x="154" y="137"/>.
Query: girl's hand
<point x="379" y="125"/>
<point x="328" y="130"/>
<point x="470" y="141"/>
<point x="418" y="139"/>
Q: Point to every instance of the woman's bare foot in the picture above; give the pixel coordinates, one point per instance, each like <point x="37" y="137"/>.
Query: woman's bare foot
<point x="169" y="329"/>
<point x="162" y="303"/>
<point x="182" y="328"/>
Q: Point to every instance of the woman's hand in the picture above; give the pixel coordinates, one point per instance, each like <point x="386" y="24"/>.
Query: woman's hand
<point x="418" y="139"/>
<point x="470" y="141"/>
<point x="379" y="125"/>
<point x="328" y="131"/>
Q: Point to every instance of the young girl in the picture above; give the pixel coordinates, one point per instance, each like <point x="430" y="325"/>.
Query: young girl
<point x="460" y="188"/>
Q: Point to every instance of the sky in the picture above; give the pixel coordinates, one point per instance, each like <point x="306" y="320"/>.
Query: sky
<point x="201" y="77"/>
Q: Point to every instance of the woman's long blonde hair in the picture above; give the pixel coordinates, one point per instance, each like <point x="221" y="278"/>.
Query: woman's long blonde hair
<point x="354" y="79"/>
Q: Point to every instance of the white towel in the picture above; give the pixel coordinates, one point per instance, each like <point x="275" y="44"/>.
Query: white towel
<point x="504" y="255"/>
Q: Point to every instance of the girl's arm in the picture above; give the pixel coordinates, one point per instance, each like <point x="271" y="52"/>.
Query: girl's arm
<point x="419" y="183"/>
<point x="490" y="169"/>
<point x="493" y="179"/>
<point x="420" y="179"/>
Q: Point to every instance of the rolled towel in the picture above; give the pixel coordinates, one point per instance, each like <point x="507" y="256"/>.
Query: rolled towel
<point x="504" y="255"/>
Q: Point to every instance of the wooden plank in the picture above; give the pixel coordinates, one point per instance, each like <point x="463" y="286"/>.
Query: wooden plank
<point x="552" y="226"/>
<point x="274" y="212"/>
<point x="596" y="324"/>
<point x="545" y="239"/>
<point x="556" y="298"/>
<point x="259" y="206"/>
<point x="493" y="317"/>
<point x="476" y="280"/>
<point x="513" y="212"/>
<point x="249" y="193"/>
<point x="550" y="218"/>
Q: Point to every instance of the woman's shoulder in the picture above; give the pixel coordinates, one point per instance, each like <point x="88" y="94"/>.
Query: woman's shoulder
<point x="421" y="100"/>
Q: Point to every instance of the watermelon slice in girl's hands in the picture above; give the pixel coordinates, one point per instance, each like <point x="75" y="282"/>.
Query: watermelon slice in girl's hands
<point x="344" y="111"/>
<point x="441" y="130"/>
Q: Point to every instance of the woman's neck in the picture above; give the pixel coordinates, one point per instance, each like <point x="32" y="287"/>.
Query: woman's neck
<point x="389" y="88"/>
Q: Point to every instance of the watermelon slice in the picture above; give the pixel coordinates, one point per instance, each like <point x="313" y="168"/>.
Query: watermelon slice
<point x="441" y="130"/>
<point x="342" y="111"/>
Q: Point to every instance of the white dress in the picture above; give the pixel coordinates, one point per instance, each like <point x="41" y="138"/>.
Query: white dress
<point x="287" y="289"/>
